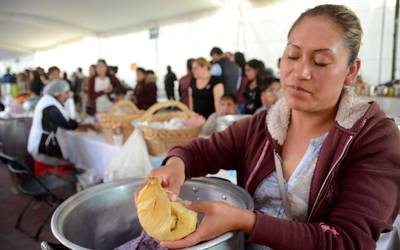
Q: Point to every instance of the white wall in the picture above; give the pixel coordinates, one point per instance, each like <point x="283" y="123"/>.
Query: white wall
<point x="258" y="32"/>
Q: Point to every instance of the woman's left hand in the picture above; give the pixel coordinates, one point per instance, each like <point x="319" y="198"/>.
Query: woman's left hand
<point x="219" y="218"/>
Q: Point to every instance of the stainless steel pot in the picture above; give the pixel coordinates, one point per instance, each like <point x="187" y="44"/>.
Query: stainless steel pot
<point x="104" y="216"/>
<point x="371" y="90"/>
<point x="382" y="90"/>
<point x="225" y="121"/>
<point x="396" y="90"/>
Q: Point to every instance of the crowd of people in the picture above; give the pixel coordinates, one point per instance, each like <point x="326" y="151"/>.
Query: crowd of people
<point x="225" y="85"/>
<point x="251" y="82"/>
<point x="254" y="86"/>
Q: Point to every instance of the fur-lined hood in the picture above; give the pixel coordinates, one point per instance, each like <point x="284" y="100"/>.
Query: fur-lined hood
<point x="351" y="109"/>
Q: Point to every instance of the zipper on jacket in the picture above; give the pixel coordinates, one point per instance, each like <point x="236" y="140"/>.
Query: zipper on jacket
<point x="327" y="177"/>
<point x="258" y="164"/>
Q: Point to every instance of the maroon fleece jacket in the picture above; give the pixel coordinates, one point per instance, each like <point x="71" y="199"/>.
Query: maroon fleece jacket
<point x="355" y="188"/>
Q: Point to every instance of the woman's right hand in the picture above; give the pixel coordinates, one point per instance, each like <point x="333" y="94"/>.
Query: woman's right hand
<point x="171" y="176"/>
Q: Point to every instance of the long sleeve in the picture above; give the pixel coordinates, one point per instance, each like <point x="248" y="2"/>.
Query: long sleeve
<point x="147" y="96"/>
<point x="92" y="93"/>
<point x="223" y="150"/>
<point x="366" y="202"/>
<point x="53" y="115"/>
<point x="357" y="205"/>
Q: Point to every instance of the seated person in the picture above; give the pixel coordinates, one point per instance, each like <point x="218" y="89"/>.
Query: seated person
<point x="227" y="106"/>
<point x="119" y="93"/>
<point x="46" y="141"/>
<point x="270" y="89"/>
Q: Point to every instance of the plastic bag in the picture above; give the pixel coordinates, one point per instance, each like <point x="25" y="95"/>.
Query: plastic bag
<point x="133" y="159"/>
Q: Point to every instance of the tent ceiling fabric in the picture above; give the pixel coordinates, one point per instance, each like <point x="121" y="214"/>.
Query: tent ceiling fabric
<point x="29" y="25"/>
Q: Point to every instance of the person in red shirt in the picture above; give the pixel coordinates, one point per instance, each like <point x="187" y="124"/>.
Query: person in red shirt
<point x="184" y="83"/>
<point x="145" y="92"/>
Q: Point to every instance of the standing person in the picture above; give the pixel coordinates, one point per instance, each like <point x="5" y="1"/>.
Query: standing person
<point x="169" y="83"/>
<point x="43" y="74"/>
<point x="8" y="77"/>
<point x="22" y="82"/>
<point x="205" y="90"/>
<point x="240" y="60"/>
<point x="53" y="73"/>
<point x="86" y="104"/>
<point x="323" y="165"/>
<point x="184" y="83"/>
<point x="100" y="88"/>
<point x="36" y="88"/>
<point x="255" y="72"/>
<point x="226" y="69"/>
<point x="65" y="78"/>
<point x="145" y="92"/>
<point x="36" y="83"/>
<point x="76" y="87"/>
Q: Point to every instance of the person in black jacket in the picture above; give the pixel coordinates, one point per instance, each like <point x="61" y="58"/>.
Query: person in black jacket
<point x="227" y="70"/>
<point x="169" y="83"/>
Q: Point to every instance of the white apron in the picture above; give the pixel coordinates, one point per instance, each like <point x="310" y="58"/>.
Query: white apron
<point x="37" y="131"/>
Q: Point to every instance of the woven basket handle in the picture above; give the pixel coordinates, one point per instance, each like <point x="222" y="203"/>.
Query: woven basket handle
<point x="162" y="105"/>
<point x="122" y="103"/>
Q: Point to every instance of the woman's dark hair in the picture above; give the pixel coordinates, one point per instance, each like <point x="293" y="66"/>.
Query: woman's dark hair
<point x="229" y="96"/>
<point x="36" y="84"/>
<point x="267" y="82"/>
<point x="107" y="68"/>
<point x="102" y="61"/>
<point x="345" y="18"/>
<point x="240" y="60"/>
<point x="120" y="90"/>
<point x="258" y="66"/>
<point x="189" y="64"/>
<point x="216" y="50"/>
<point x="53" y="68"/>
<point x="141" y="70"/>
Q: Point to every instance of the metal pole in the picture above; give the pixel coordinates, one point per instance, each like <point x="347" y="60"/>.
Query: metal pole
<point x="396" y="24"/>
<point x="382" y="41"/>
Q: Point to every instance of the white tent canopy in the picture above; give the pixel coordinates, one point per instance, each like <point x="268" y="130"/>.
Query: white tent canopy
<point x="74" y="33"/>
<point x="31" y="25"/>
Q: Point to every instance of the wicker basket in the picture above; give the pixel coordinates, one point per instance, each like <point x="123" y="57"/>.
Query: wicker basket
<point x="107" y="120"/>
<point x="161" y="140"/>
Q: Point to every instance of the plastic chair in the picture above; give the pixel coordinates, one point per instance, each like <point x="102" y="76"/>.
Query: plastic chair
<point x="40" y="188"/>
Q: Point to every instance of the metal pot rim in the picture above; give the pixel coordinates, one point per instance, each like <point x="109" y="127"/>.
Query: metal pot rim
<point x="78" y="198"/>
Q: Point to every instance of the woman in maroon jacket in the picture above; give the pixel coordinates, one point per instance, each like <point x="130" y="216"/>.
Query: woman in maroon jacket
<point x="101" y="86"/>
<point x="145" y="92"/>
<point x="342" y="151"/>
